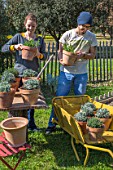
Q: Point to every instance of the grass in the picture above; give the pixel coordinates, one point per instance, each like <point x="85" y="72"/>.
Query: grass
<point x="54" y="151"/>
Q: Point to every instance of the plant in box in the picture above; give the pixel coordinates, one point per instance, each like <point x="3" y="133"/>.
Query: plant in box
<point x="30" y="91"/>
<point x="29" y="49"/>
<point x="95" y="128"/>
<point x="6" y="95"/>
<point x="104" y="115"/>
<point x="82" y="120"/>
<point x="29" y="74"/>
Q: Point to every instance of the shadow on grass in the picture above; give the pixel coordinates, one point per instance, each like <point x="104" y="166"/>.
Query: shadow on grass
<point x="59" y="143"/>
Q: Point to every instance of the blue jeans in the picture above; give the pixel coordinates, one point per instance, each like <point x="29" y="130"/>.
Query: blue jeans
<point x="31" y="123"/>
<point x="64" y="86"/>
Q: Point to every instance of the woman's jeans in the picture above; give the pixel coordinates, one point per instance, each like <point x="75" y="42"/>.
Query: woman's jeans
<point x="64" y="86"/>
<point x="31" y="123"/>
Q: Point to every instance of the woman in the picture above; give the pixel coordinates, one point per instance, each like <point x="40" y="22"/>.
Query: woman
<point x="15" y="45"/>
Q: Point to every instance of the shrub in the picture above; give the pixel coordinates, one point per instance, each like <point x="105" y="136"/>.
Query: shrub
<point x="102" y="113"/>
<point x="4" y="86"/>
<point x="87" y="110"/>
<point x="29" y="73"/>
<point x="80" y="116"/>
<point x="9" y="77"/>
<point x="32" y="43"/>
<point x="31" y="84"/>
<point x="94" y="123"/>
<point x="89" y="104"/>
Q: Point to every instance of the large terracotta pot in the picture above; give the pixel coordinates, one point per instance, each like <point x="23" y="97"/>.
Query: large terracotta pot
<point x="28" y="53"/>
<point x="68" y="58"/>
<point x="6" y="98"/>
<point x="95" y="134"/>
<point x="29" y="96"/>
<point x="15" y="130"/>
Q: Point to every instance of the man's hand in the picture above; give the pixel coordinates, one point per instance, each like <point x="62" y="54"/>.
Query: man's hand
<point x="18" y="47"/>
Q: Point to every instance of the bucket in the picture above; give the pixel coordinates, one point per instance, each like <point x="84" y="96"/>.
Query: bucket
<point x="15" y="130"/>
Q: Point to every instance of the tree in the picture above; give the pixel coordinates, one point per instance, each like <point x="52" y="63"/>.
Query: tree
<point x="55" y="16"/>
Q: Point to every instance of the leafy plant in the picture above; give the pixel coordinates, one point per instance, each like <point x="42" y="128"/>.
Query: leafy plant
<point x="4" y="86"/>
<point x="9" y="77"/>
<point x="32" y="43"/>
<point x="102" y="113"/>
<point x="94" y="122"/>
<point x="31" y="84"/>
<point x="68" y="47"/>
<point x="89" y="104"/>
<point x="80" y="116"/>
<point x="29" y="73"/>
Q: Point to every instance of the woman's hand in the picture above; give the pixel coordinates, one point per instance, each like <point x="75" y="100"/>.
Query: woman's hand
<point x="18" y="47"/>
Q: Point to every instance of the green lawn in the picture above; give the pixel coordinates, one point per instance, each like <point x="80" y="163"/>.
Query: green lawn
<point x="54" y="151"/>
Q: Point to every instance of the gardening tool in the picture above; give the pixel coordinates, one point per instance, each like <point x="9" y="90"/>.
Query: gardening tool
<point x="39" y="74"/>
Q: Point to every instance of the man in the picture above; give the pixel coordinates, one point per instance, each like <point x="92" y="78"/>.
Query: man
<point x="84" y="42"/>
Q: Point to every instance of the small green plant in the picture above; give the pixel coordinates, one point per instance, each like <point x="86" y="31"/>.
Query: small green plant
<point x="4" y="86"/>
<point x="87" y="110"/>
<point x="29" y="73"/>
<point x="31" y="84"/>
<point x="94" y="122"/>
<point x="32" y="43"/>
<point x="9" y="77"/>
<point x="68" y="47"/>
<point x="13" y="71"/>
<point x="80" y="116"/>
<point x="89" y="104"/>
<point x="102" y="113"/>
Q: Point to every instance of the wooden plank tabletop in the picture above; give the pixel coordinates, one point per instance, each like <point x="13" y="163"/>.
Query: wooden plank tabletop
<point x="18" y="104"/>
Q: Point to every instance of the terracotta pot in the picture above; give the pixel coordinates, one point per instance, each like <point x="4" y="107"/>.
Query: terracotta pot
<point x="6" y="98"/>
<point x="106" y="122"/>
<point x="29" y="96"/>
<point x="28" y="53"/>
<point x="95" y="133"/>
<point x="15" y="130"/>
<point x="68" y="58"/>
<point x="24" y="79"/>
<point x="83" y="127"/>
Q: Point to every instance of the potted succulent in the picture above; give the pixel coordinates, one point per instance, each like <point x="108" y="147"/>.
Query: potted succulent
<point x="6" y="95"/>
<point x="17" y="78"/>
<point x="87" y="110"/>
<point x="29" y="49"/>
<point x="82" y="120"/>
<point x="91" y="105"/>
<point x="104" y="115"/>
<point x="10" y="78"/>
<point x="30" y="91"/>
<point x="69" y="56"/>
<point x="29" y="74"/>
<point x="95" y="128"/>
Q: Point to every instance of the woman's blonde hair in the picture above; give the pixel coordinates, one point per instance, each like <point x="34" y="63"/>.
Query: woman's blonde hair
<point x="30" y="16"/>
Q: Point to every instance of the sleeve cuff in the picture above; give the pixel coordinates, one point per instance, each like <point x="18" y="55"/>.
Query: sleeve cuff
<point x="12" y="48"/>
<point x="40" y="56"/>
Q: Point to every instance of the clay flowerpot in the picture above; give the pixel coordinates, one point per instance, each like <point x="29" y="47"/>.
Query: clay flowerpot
<point x="6" y="98"/>
<point x="83" y="126"/>
<point x="95" y="134"/>
<point x="106" y="122"/>
<point x="28" y="53"/>
<point x="68" y="58"/>
<point x="15" y="130"/>
<point x="29" y="96"/>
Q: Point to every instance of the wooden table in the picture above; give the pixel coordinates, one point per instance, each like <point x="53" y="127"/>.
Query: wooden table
<point x="19" y="109"/>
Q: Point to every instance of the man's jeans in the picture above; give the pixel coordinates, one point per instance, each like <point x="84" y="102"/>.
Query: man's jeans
<point x="64" y="86"/>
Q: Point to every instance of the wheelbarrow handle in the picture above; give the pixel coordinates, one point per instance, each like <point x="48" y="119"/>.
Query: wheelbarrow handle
<point x="45" y="66"/>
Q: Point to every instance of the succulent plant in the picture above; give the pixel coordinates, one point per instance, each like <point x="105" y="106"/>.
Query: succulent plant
<point x="13" y="71"/>
<point x="29" y="73"/>
<point x="94" y="122"/>
<point x="9" y="77"/>
<point x="87" y="110"/>
<point x="89" y="104"/>
<point x="80" y="116"/>
<point x="4" y="86"/>
<point x="102" y="113"/>
<point x="31" y="84"/>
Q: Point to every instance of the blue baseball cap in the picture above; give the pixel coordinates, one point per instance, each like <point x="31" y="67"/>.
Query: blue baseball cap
<point x="84" y="18"/>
